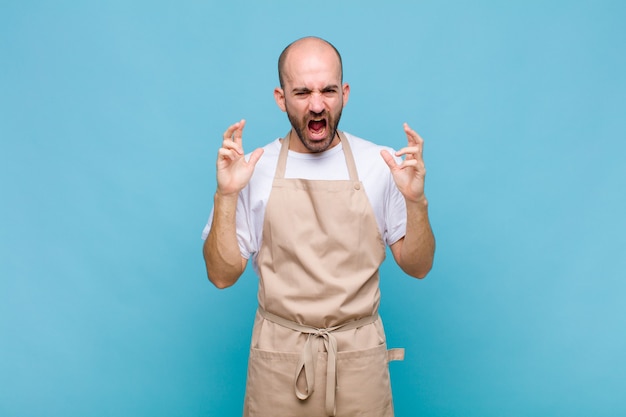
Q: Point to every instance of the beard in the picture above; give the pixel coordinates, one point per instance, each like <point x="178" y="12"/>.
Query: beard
<point x="321" y="124"/>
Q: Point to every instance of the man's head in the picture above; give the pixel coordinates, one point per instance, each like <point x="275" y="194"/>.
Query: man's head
<point x="312" y="92"/>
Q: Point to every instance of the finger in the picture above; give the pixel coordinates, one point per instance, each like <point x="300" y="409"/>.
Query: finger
<point x="255" y="156"/>
<point x="409" y="151"/>
<point x="227" y="154"/>
<point x="389" y="160"/>
<point x="239" y="132"/>
<point x="412" y="136"/>
<point x="228" y="134"/>
<point x="232" y="136"/>
<point x="413" y="163"/>
<point x="229" y="144"/>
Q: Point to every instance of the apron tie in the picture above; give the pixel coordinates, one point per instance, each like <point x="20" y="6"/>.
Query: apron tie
<point x="308" y="357"/>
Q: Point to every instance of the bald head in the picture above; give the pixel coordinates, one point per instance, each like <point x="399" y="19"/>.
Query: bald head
<point x="303" y="47"/>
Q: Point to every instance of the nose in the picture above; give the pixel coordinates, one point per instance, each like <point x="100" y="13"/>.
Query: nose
<point x="316" y="103"/>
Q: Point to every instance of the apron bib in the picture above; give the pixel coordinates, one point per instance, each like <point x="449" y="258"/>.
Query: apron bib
<point x="318" y="345"/>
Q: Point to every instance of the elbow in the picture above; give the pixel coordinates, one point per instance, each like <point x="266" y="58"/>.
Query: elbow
<point x="221" y="273"/>
<point x="222" y="277"/>
<point x="221" y="280"/>
<point x="419" y="271"/>
<point x="422" y="265"/>
<point x="415" y="260"/>
<point x="419" y="274"/>
<point x="220" y="284"/>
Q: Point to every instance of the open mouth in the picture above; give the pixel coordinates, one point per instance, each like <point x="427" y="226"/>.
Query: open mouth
<point x="317" y="128"/>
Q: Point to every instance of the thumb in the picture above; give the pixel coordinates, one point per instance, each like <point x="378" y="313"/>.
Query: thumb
<point x="255" y="156"/>
<point x="389" y="160"/>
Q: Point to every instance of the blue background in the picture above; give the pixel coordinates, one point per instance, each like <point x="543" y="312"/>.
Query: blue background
<point x="111" y="114"/>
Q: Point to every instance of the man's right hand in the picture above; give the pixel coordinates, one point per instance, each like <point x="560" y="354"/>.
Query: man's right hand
<point x="233" y="171"/>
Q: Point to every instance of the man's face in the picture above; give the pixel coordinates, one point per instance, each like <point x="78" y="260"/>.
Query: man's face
<point x="313" y="98"/>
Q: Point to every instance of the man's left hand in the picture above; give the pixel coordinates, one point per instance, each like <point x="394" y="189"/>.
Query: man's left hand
<point x="409" y="176"/>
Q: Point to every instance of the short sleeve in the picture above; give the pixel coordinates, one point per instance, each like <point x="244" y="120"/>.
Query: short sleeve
<point x="395" y="213"/>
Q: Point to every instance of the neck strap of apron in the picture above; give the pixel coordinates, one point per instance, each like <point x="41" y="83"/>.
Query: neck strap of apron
<point x="347" y="151"/>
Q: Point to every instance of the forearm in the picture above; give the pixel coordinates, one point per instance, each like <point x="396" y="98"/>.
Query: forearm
<point x="417" y="250"/>
<point x="224" y="263"/>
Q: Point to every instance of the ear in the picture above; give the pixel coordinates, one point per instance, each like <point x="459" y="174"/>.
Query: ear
<point x="279" y="96"/>
<point x="346" y="92"/>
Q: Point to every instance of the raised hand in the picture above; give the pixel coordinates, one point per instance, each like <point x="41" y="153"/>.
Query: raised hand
<point x="410" y="174"/>
<point x="233" y="171"/>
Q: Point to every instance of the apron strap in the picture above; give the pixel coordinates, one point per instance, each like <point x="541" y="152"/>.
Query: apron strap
<point x="347" y="151"/>
<point x="395" y="354"/>
<point x="308" y="356"/>
<point x="281" y="165"/>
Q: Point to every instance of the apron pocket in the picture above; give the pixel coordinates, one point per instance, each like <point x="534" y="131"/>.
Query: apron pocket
<point x="363" y="386"/>
<point x="270" y="386"/>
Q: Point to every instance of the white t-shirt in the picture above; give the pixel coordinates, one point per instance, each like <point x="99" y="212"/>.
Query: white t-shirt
<point x="386" y="200"/>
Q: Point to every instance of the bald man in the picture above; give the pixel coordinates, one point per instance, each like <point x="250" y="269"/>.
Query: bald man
<point x="315" y="211"/>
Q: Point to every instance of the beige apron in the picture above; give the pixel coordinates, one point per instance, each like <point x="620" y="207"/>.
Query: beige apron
<point x="318" y="345"/>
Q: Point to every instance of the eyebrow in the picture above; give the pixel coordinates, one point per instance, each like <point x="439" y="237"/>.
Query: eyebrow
<point x="307" y="90"/>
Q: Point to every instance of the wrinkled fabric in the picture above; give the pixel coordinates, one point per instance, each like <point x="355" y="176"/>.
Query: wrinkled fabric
<point x="318" y="268"/>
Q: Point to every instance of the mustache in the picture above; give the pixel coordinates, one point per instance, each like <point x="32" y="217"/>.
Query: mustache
<point x="321" y="114"/>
